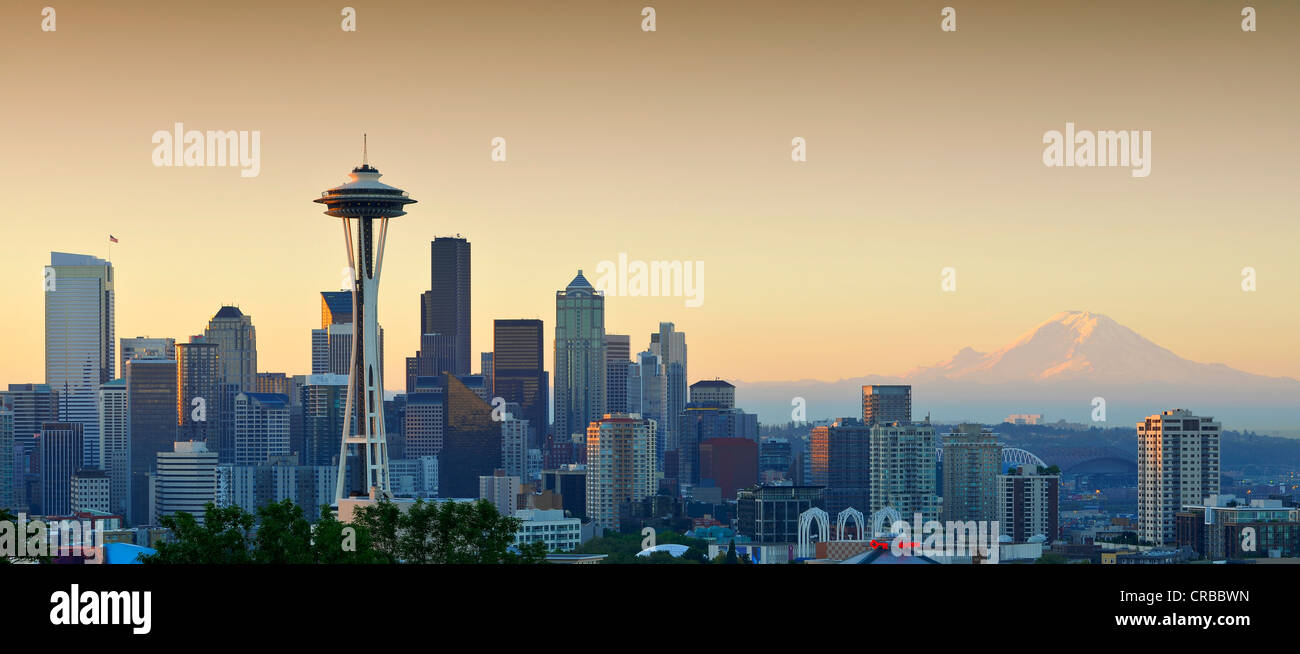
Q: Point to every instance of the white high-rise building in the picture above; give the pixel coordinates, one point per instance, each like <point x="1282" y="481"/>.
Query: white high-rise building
<point x="115" y="444"/>
<point x="621" y="465"/>
<point x="903" y="469"/>
<point x="501" y="490"/>
<point x="1178" y="465"/>
<point x="186" y="480"/>
<point x="514" y="443"/>
<point x="79" y="318"/>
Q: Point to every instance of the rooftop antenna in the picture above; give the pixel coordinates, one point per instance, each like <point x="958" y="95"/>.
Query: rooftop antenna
<point x="365" y="151"/>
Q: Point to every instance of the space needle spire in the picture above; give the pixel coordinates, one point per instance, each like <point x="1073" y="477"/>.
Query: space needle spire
<point x="361" y="202"/>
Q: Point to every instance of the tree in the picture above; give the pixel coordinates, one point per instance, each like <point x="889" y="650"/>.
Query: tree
<point x="447" y="532"/>
<point x="1052" y="558"/>
<point x="223" y="538"/>
<point x="731" y="553"/>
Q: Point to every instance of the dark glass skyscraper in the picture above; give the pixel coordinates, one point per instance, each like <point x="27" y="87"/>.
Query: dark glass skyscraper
<point x="471" y="441"/>
<point x="445" y="308"/>
<point x="151" y="416"/>
<point x="518" y="375"/>
<point x="198" y="383"/>
<point x="61" y="457"/>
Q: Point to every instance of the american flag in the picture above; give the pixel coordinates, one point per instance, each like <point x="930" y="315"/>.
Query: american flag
<point x="112" y="239"/>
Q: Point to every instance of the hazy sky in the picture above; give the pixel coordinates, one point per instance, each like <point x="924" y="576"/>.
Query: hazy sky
<point x="924" y="151"/>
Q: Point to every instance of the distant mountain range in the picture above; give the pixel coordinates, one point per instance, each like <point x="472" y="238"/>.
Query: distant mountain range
<point x="1056" y="369"/>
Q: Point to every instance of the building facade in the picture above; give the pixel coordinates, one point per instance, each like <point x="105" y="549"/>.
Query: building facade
<point x="1178" y="465"/>
<point x="579" y="356"/>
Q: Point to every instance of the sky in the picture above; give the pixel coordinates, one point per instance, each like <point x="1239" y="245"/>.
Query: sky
<point x="924" y="152"/>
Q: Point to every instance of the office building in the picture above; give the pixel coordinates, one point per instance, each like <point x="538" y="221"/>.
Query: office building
<point x="1028" y="504"/>
<point x="115" y="444"/>
<point x="579" y="356"/>
<point x="885" y="404"/>
<point x="570" y="483"/>
<point x="618" y="360"/>
<point x="32" y="405"/>
<point x="972" y="459"/>
<point x="151" y="427"/>
<point x="186" y="481"/>
<point x="550" y="527"/>
<point x="236" y="340"/>
<point x="261" y="427"/>
<point x="324" y="404"/>
<point x="841" y="462"/>
<point x="770" y="514"/>
<point x="79" y="339"/>
<point x="8" y="457"/>
<point x="501" y="490"/>
<point x="445" y="307"/>
<point x="199" y="398"/>
<point x="729" y="464"/>
<point x="414" y="478"/>
<point x="91" y="490"/>
<point x="61" y="450"/>
<point x="514" y="443"/>
<point x="1223" y="527"/>
<point x="250" y="487"/>
<point x="1178" y="465"/>
<point x="144" y="347"/>
<point x="519" y="373"/>
<point x="471" y="440"/>
<point x="903" y="469"/>
<point x="714" y="392"/>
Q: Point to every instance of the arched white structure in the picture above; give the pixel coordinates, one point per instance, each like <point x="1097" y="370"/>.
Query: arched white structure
<point x="842" y="523"/>
<point x="878" y="520"/>
<point x="1012" y="455"/>
<point x="1017" y="456"/>
<point x="805" y="524"/>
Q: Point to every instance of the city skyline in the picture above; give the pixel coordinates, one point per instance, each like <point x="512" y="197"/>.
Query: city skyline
<point x="863" y="222"/>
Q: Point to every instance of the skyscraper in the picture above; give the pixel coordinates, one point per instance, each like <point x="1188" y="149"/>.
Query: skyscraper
<point x="324" y="399"/>
<point x="186" y="480"/>
<point x="519" y="374"/>
<point x="1178" y="465"/>
<point x="198" y="384"/>
<point x="972" y="459"/>
<point x="261" y="427"/>
<point x="670" y="346"/>
<point x="618" y="361"/>
<point x="145" y="347"/>
<point x="8" y="459"/>
<point x="621" y="466"/>
<point x="61" y="457"/>
<point x="445" y="308"/>
<point x="79" y="334"/>
<point x="32" y="406"/>
<point x="579" y="356"/>
<point x="883" y="404"/>
<point x="236" y="340"/>
<point x="115" y="444"/>
<point x="841" y="461"/>
<point x="646" y="389"/>
<point x="714" y="392"/>
<point x="902" y="469"/>
<point x="331" y="345"/>
<point x="485" y="368"/>
<point x="151" y="421"/>
<point x="1028" y="504"/>
<point x="471" y="440"/>
<point x="365" y="199"/>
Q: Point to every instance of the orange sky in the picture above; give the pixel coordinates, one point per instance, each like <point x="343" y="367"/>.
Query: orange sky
<point x="924" y="151"/>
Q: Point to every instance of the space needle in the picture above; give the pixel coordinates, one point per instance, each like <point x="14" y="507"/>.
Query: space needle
<point x="360" y="202"/>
